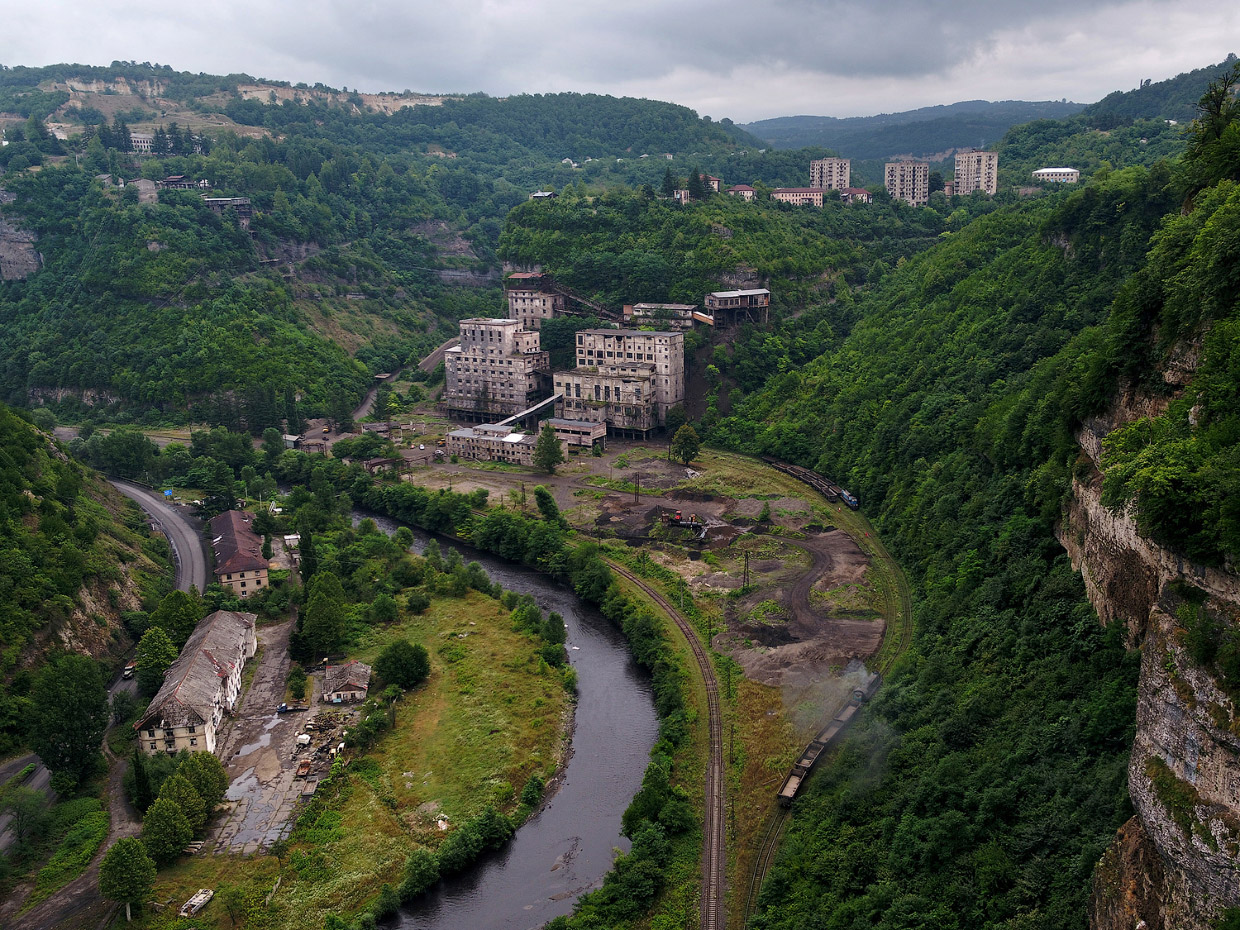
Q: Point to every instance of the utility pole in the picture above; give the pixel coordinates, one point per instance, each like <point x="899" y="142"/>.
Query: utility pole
<point x="637" y="489"/>
<point x="746" y="584"/>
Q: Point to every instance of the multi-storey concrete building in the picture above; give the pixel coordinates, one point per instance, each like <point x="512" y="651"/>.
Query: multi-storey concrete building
<point x="799" y="196"/>
<point x="499" y="368"/>
<point x="976" y="171"/>
<point x="909" y="181"/>
<point x="599" y="348"/>
<point x="1058" y="175"/>
<point x="624" y="396"/>
<point x="491" y="442"/>
<point x="830" y="173"/>
<point x="668" y="316"/>
<point x="202" y="685"/>
<point x="731" y="308"/>
<point x="532" y="298"/>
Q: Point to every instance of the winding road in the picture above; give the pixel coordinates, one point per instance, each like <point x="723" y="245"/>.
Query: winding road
<point x="187" y="543"/>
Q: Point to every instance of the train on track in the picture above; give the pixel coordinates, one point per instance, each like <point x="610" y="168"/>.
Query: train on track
<point x="826" y="736"/>
<point x="824" y="486"/>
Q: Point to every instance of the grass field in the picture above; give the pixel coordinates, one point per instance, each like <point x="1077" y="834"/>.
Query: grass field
<point x="491" y="714"/>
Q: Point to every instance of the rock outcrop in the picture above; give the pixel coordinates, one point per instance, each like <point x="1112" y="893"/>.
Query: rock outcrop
<point x="1176" y="864"/>
<point x="18" y="258"/>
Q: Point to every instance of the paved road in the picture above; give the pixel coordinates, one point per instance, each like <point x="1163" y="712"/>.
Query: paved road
<point x="187" y="544"/>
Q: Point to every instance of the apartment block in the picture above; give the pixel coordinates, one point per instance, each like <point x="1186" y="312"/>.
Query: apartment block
<point x="491" y="442"/>
<point x="908" y="181"/>
<point x="499" y="368"/>
<point x="830" y="173"/>
<point x="532" y="298"/>
<point x="976" y="171"/>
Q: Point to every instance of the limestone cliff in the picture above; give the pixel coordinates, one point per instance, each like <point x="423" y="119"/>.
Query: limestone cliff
<point x="1176" y="864"/>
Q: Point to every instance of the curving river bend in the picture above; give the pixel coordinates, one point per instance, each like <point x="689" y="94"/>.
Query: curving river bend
<point x="567" y="848"/>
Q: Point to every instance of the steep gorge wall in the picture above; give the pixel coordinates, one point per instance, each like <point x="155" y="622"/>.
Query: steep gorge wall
<point x="1176" y="864"/>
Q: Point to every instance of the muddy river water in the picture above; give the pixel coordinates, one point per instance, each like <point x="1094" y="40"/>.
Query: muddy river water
<point x="567" y="848"/>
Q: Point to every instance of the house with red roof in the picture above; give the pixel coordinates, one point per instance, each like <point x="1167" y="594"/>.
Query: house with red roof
<point x="239" y="561"/>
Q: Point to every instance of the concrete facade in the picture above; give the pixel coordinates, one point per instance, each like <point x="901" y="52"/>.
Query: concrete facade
<point x="622" y="397"/>
<point x="908" y="181"/>
<point x="494" y="370"/>
<point x="532" y="299"/>
<point x="799" y="196"/>
<point x="665" y="351"/>
<point x="490" y="442"/>
<point x="830" y="173"/>
<point x="667" y="316"/>
<point x="1058" y="175"/>
<point x="976" y="171"/>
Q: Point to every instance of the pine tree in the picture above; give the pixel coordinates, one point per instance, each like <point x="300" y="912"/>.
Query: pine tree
<point x="547" y="451"/>
<point x="141" y="781"/>
<point x="669" y="183"/>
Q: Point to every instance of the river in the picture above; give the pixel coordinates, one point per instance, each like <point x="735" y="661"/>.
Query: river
<point x="567" y="848"/>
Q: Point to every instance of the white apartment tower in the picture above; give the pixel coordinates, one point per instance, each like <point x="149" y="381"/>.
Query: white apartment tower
<point x="832" y="174"/>
<point x="977" y="171"/>
<point x="909" y="181"/>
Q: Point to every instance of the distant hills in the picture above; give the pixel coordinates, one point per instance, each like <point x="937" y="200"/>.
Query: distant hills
<point x="922" y="132"/>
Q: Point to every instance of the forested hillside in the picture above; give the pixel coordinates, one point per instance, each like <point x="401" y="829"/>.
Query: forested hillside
<point x="73" y="558"/>
<point x="921" y="132"/>
<point x="991" y="775"/>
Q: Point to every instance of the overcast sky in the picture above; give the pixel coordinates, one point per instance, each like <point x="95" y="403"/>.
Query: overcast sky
<point x="742" y="60"/>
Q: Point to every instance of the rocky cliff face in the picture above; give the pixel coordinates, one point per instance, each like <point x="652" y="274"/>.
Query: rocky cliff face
<point x="18" y="258"/>
<point x="1176" y="864"/>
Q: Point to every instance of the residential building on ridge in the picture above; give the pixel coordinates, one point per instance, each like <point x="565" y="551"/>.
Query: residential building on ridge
<point x="908" y="181"/>
<point x="830" y="173"/>
<point x="1058" y="175"/>
<point x="201" y="686"/>
<point x="799" y="196"/>
<point x="976" y="171"/>
<point x="856" y="195"/>
<point x="743" y="191"/>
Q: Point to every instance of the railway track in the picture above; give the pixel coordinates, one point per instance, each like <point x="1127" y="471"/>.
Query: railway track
<point x="714" y="848"/>
<point x="896" y="640"/>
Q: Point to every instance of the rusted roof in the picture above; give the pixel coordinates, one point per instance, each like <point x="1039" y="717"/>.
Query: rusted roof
<point x="237" y="547"/>
<point x="352" y="676"/>
<point x="191" y="685"/>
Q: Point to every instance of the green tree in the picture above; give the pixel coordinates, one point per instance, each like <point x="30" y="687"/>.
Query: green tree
<point x="142" y="794"/>
<point x="669" y="182"/>
<point x="676" y="418"/>
<point x="324" y="626"/>
<point x="206" y="773"/>
<point x="547" y="451"/>
<point x="421" y="873"/>
<point x="547" y="506"/>
<point x="308" y="565"/>
<point x="69" y="711"/>
<point x="178" y="613"/>
<point x="685" y="444"/>
<point x="165" y="831"/>
<point x="403" y="663"/>
<point x="155" y="654"/>
<point x="127" y="874"/>
<point x="697" y="190"/>
<point x="180" y="792"/>
<point x="384" y="609"/>
<point x="28" y="813"/>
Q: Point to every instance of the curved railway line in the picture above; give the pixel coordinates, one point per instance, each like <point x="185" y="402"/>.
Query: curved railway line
<point x="896" y="640"/>
<point x="714" y="850"/>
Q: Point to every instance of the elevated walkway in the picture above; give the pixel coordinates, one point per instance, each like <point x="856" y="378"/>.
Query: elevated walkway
<point x="529" y="416"/>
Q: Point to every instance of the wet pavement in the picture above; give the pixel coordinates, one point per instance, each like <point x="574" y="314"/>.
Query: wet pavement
<point x="257" y="750"/>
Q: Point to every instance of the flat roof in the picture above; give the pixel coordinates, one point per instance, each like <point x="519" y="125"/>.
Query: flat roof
<point x="582" y="424"/>
<point x="629" y="332"/>
<point x="756" y="290"/>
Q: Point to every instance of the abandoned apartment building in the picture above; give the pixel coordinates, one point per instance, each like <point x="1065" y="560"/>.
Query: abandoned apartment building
<point x="201" y="686"/>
